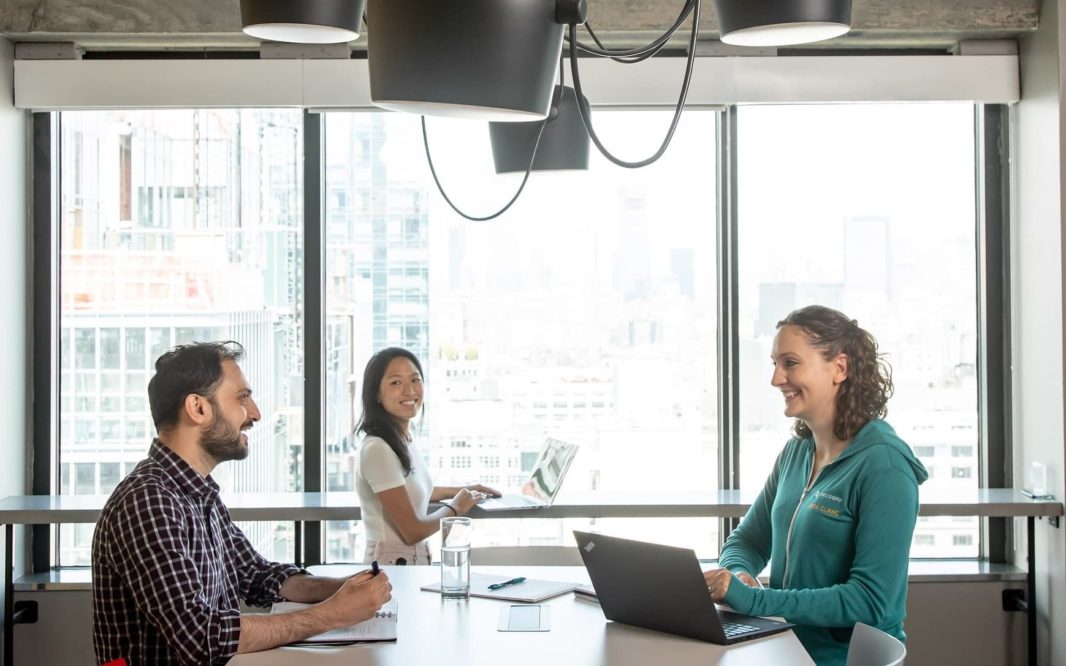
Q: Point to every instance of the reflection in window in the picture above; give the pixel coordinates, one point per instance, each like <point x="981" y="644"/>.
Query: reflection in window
<point x="596" y="287"/>
<point x="865" y="230"/>
<point x="178" y="226"/>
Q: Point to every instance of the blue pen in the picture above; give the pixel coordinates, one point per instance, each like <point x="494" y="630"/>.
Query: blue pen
<point x="374" y="568"/>
<point x="513" y="581"/>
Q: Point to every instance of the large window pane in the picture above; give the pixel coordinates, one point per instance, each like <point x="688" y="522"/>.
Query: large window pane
<point x="587" y="312"/>
<point x="179" y="226"/>
<point x="868" y="209"/>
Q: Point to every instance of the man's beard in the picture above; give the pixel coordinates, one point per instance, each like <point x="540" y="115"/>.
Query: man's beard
<point x="222" y="441"/>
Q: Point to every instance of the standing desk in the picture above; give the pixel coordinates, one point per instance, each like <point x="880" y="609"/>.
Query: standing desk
<point x="300" y="507"/>
<point x="465" y="633"/>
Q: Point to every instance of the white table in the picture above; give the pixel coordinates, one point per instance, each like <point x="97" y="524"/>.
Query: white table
<point x="997" y="502"/>
<point x="464" y="633"/>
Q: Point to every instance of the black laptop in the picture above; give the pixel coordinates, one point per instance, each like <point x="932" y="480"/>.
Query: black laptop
<point x="662" y="588"/>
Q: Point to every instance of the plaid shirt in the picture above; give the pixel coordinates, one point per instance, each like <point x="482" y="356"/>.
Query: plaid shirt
<point x="169" y="567"/>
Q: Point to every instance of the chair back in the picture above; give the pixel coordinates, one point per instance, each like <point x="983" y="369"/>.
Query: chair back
<point x="531" y="555"/>
<point x="873" y="647"/>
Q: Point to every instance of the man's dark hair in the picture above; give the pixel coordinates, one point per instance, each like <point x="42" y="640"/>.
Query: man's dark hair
<point x="184" y="370"/>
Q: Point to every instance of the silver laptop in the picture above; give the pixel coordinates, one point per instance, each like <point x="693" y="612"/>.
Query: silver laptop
<point x="662" y="588"/>
<point x="544" y="482"/>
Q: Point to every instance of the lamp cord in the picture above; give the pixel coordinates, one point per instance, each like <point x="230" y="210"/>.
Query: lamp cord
<point x="630" y="56"/>
<point x="440" y="188"/>
<point x="587" y="122"/>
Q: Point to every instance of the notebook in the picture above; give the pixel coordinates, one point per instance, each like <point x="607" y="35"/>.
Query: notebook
<point x="531" y="590"/>
<point x="544" y="480"/>
<point x="381" y="627"/>
<point x="662" y="588"/>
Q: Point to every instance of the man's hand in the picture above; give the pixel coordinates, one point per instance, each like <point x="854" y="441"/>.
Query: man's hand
<point x="358" y="599"/>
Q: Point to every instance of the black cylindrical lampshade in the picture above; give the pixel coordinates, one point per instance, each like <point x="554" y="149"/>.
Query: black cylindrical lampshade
<point x="303" y="21"/>
<point x="482" y="59"/>
<point x="563" y="145"/>
<point x="781" y="22"/>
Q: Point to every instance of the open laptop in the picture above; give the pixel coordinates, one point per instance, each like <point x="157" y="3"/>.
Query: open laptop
<point x="544" y="482"/>
<point x="662" y="588"/>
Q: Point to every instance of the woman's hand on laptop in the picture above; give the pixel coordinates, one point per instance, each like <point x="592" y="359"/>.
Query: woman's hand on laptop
<point x="465" y="500"/>
<point x="747" y="579"/>
<point x="718" y="583"/>
<point x="484" y="490"/>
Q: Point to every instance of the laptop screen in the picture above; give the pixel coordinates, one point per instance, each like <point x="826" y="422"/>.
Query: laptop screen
<point x="547" y="475"/>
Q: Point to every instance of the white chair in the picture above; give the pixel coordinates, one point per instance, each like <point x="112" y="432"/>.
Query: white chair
<point x="531" y="555"/>
<point x="873" y="647"/>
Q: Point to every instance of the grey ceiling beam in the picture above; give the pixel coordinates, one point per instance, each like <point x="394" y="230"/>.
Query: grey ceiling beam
<point x="195" y="24"/>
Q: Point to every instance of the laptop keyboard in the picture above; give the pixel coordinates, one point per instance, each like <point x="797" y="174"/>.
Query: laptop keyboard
<point x="733" y="629"/>
<point x="519" y="500"/>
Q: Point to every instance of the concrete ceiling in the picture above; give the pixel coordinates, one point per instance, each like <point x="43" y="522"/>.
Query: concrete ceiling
<point x="216" y="24"/>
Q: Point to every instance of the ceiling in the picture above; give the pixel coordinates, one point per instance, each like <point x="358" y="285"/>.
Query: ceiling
<point x="105" y="25"/>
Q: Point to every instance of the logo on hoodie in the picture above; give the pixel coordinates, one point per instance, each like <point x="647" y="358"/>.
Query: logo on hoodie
<point x="825" y="503"/>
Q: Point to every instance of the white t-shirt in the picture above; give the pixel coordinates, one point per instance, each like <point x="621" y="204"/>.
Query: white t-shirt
<point x="379" y="469"/>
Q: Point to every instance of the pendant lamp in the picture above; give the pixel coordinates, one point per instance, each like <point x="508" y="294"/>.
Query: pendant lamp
<point x="479" y="59"/>
<point x="564" y="143"/>
<point x="302" y="21"/>
<point x="781" y="22"/>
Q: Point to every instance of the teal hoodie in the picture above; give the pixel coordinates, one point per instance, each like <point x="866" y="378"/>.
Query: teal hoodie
<point x="839" y="550"/>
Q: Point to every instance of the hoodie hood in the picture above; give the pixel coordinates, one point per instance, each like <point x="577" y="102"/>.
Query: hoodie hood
<point x="878" y="433"/>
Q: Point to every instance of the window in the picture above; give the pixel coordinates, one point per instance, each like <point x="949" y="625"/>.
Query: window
<point x="598" y="286"/>
<point x="177" y="226"/>
<point x="925" y="453"/>
<point x="864" y="230"/>
<point x="589" y="312"/>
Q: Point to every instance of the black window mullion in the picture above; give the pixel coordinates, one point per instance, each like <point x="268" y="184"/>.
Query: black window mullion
<point x="314" y="328"/>
<point x="992" y="167"/>
<point x="44" y="342"/>
<point x="728" y="291"/>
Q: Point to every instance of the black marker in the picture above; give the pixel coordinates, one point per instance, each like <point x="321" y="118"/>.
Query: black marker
<point x="374" y="568"/>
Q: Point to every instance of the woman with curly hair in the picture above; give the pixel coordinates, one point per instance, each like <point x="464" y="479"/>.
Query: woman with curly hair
<point x="837" y="513"/>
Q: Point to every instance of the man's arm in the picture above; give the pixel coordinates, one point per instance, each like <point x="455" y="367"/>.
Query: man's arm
<point x="356" y="599"/>
<point x="310" y="589"/>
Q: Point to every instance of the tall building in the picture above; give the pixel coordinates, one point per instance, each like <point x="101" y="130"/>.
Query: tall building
<point x="177" y="227"/>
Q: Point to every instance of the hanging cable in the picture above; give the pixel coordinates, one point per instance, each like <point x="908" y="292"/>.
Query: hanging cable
<point x="624" y="55"/>
<point x="587" y="121"/>
<point x="440" y="188"/>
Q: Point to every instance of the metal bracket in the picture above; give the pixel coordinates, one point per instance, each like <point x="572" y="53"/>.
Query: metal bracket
<point x="1014" y="601"/>
<point x="569" y="12"/>
<point x="1053" y="521"/>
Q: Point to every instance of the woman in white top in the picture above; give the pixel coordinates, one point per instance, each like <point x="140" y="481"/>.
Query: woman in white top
<point x="392" y="481"/>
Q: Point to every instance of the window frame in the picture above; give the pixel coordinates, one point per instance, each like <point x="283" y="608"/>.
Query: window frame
<point x="994" y="185"/>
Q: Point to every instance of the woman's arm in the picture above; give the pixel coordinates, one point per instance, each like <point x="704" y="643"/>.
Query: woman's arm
<point x="412" y="527"/>
<point x="887" y="514"/>
<point x="447" y="492"/>
<point x="748" y="547"/>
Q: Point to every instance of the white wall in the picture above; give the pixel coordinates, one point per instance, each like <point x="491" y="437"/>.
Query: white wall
<point x="13" y="294"/>
<point x="1037" y="294"/>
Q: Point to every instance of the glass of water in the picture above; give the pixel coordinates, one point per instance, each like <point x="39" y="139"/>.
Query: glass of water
<point x="455" y="557"/>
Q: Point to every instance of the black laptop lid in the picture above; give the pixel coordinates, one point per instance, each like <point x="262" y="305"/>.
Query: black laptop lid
<point x="650" y="585"/>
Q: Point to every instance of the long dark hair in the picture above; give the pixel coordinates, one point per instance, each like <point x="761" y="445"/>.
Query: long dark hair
<point x="375" y="420"/>
<point x="864" y="394"/>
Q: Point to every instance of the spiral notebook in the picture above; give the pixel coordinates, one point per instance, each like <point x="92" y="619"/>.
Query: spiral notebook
<point x="381" y="627"/>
